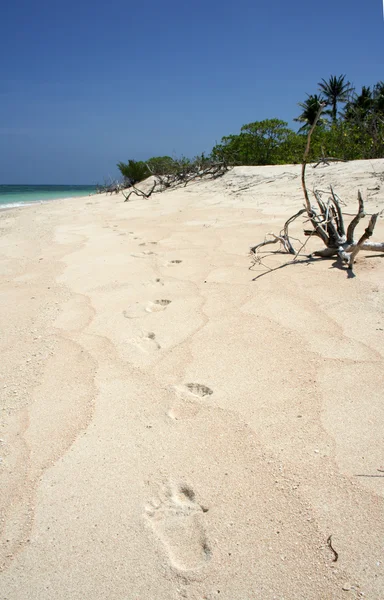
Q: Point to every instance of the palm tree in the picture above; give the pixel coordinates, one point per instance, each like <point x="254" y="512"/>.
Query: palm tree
<point x="311" y="107"/>
<point x="378" y="98"/>
<point x="335" y="90"/>
<point x="360" y="107"/>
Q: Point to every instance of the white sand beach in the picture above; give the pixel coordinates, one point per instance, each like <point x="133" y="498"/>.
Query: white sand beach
<point x="173" y="427"/>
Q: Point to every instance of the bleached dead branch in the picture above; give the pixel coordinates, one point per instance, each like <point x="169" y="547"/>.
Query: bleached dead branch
<point x="327" y="222"/>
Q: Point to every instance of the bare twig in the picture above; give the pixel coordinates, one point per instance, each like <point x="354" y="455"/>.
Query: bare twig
<point x="325" y="160"/>
<point x="335" y="554"/>
<point x="283" y="236"/>
<point x="182" y="173"/>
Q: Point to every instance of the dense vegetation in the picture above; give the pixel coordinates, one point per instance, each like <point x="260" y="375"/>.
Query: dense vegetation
<point x="351" y="128"/>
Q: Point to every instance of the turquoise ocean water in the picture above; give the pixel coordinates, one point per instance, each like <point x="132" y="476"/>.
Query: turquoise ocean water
<point x="23" y="195"/>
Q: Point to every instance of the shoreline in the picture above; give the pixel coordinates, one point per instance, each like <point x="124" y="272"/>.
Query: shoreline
<point x="39" y="202"/>
<point x="26" y="202"/>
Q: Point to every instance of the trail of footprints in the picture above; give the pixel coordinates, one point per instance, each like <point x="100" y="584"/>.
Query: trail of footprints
<point x="175" y="516"/>
<point x="147" y="342"/>
<point x="177" y="519"/>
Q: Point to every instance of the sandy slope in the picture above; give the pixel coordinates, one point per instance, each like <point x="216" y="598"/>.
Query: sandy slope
<point x="172" y="428"/>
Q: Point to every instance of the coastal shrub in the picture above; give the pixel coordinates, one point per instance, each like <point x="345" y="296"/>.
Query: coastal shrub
<point x="162" y="165"/>
<point x="133" y="171"/>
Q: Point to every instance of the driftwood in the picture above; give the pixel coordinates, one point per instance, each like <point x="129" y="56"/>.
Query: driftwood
<point x="137" y="192"/>
<point x="327" y="223"/>
<point x="184" y="173"/>
<point x="113" y="187"/>
<point x="326" y="160"/>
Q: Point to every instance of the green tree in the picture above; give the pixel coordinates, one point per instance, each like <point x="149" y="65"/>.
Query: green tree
<point x="161" y="165"/>
<point x="230" y="149"/>
<point x="311" y="107"/>
<point x="265" y="137"/>
<point x="261" y="143"/>
<point x="360" y="106"/>
<point x="292" y="149"/>
<point x="378" y="98"/>
<point x="336" y="90"/>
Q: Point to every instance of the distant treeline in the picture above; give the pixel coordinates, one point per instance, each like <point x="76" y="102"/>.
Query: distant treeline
<point x="351" y="128"/>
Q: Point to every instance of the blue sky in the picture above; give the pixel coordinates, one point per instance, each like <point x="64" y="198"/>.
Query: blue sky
<point x="86" y="84"/>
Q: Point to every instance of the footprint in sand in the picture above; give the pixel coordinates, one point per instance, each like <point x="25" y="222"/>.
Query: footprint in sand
<point x="173" y="262"/>
<point x="136" y="311"/>
<point x="177" y="520"/>
<point x="157" y="305"/>
<point x="197" y="389"/>
<point x="156" y="281"/>
<point x="147" y="343"/>
<point x="143" y="254"/>
<point x="186" y="408"/>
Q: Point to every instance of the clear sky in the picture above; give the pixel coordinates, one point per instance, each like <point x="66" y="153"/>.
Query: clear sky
<point x="85" y="84"/>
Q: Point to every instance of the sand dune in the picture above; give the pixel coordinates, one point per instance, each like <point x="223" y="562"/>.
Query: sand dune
<point x="175" y="428"/>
